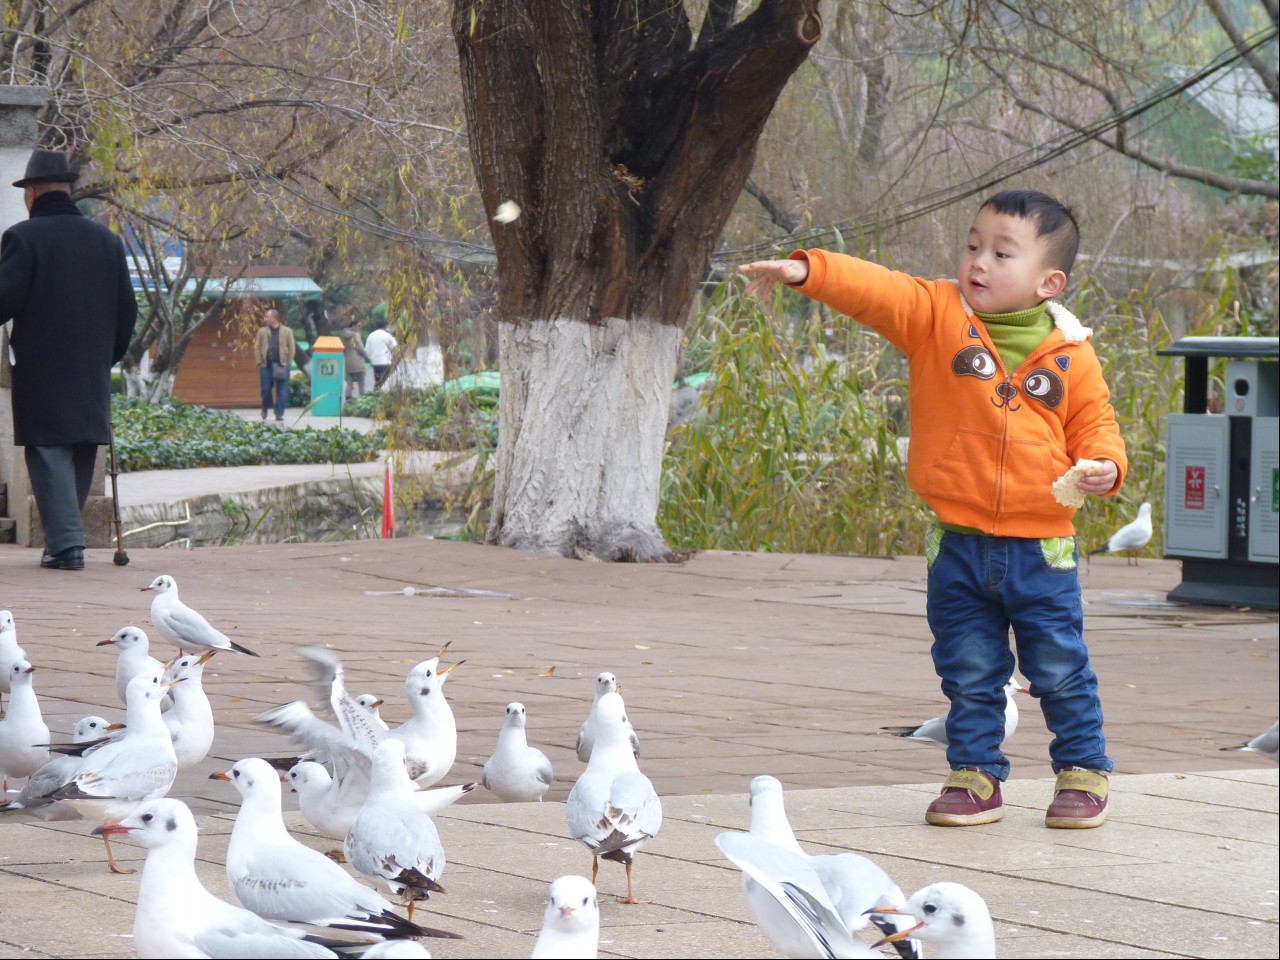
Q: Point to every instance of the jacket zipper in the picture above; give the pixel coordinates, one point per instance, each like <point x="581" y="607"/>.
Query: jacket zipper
<point x="1035" y="355"/>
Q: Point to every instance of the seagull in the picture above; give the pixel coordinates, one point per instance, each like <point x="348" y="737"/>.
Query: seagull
<point x="10" y="652"/>
<point x="23" y="733"/>
<point x="430" y="736"/>
<point x="119" y="776"/>
<point x="1130" y="538"/>
<point x="372" y="705"/>
<point x="516" y="772"/>
<point x="605" y="683"/>
<point x="391" y="841"/>
<point x="278" y="878"/>
<point x="571" y="922"/>
<point x="793" y="908"/>
<point x="185" y="628"/>
<point x="135" y="657"/>
<point x="60" y="769"/>
<point x="951" y="917"/>
<point x="331" y="806"/>
<point x="1265" y="743"/>
<point x="853" y="883"/>
<point x="176" y="916"/>
<point x="935" y="730"/>
<point x="190" y="721"/>
<point x="613" y="808"/>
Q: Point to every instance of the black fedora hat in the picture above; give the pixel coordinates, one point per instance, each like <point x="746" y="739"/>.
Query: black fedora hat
<point x="47" y="166"/>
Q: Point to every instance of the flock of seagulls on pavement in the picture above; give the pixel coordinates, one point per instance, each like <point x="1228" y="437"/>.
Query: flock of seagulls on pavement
<point x="374" y="788"/>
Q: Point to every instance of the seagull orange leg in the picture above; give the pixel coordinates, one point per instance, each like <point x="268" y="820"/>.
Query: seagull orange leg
<point x="111" y="860"/>
<point x="595" y="867"/>
<point x="631" y="897"/>
<point x="411" y="911"/>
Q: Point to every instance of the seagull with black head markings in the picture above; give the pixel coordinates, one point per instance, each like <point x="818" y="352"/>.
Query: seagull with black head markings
<point x="185" y="628"/>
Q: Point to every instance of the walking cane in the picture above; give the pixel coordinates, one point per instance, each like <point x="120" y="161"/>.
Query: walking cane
<point x="121" y="558"/>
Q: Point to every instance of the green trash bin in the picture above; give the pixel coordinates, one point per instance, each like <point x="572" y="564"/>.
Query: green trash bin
<point x="328" y="377"/>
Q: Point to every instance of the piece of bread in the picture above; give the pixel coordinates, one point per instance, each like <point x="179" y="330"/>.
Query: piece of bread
<point x="1066" y="489"/>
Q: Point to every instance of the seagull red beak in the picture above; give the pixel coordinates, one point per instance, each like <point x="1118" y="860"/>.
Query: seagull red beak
<point x="206" y="656"/>
<point x="103" y="643"/>
<point x="901" y="934"/>
<point x="221" y="775"/>
<point x="143" y="589"/>
<point x="109" y="829"/>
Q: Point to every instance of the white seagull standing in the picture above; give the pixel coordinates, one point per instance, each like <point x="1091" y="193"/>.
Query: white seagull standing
<point x="1130" y="538"/>
<point x="853" y="883"/>
<point x="430" y="736"/>
<point x="391" y="840"/>
<point x="613" y="808"/>
<point x="24" y="736"/>
<point x="278" y="878"/>
<point x="10" y="652"/>
<point x="60" y="769"/>
<point x="605" y="683"/>
<point x="185" y="628"/>
<point x="571" y="922"/>
<point x="190" y="721"/>
<point x="119" y="776"/>
<point x="135" y="657"/>
<point x="949" y="916"/>
<point x="935" y="730"/>
<point x="516" y="772"/>
<point x="176" y="916"/>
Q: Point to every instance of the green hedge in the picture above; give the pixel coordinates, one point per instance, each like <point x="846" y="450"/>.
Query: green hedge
<point x="173" y="435"/>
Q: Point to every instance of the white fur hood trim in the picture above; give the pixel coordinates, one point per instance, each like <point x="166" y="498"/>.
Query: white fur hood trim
<point x="1072" y="329"/>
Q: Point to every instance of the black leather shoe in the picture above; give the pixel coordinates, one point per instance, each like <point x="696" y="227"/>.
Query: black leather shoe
<point x="71" y="558"/>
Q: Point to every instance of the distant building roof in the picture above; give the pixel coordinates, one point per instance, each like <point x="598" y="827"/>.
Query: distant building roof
<point x="260" y="282"/>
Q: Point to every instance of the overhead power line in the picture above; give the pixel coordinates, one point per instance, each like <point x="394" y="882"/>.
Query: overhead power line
<point x="1029" y="159"/>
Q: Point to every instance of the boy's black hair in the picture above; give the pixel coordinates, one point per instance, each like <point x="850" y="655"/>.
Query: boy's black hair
<point x="1055" y="223"/>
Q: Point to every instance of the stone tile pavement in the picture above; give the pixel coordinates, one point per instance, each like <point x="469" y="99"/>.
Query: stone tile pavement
<point x="732" y="665"/>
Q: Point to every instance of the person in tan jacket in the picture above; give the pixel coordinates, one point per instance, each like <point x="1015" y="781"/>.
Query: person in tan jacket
<point x="274" y="350"/>
<point x="1006" y="395"/>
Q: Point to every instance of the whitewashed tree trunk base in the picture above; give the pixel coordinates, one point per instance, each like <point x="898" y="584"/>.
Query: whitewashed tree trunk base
<point x="583" y="419"/>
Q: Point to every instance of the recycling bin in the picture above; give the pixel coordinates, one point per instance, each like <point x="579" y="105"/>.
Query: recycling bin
<point x="328" y="377"/>
<point x="1222" y="475"/>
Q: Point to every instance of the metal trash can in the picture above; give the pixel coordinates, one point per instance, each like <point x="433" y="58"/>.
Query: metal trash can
<point x="328" y="377"/>
<point x="1222" y="475"/>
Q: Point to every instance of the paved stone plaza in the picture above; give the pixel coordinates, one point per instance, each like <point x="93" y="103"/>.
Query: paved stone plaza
<point x="732" y="665"/>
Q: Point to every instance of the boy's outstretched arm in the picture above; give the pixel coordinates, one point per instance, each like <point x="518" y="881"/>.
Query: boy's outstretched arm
<point x="766" y="273"/>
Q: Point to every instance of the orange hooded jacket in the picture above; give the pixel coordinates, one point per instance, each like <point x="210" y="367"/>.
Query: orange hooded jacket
<point x="986" y="443"/>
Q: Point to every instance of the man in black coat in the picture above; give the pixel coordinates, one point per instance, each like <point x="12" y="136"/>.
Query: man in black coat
<point x="64" y="281"/>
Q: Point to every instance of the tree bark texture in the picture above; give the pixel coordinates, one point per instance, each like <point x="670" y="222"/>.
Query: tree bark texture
<point x="625" y="144"/>
<point x="587" y="406"/>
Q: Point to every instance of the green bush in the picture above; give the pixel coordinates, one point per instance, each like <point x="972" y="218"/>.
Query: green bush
<point x="173" y="435"/>
<point x="432" y="419"/>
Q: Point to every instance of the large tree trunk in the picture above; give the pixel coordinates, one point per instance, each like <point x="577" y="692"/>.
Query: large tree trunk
<point x="625" y="144"/>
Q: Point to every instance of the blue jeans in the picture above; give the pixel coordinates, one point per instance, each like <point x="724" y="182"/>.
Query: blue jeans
<point x="281" y="388"/>
<point x="979" y="587"/>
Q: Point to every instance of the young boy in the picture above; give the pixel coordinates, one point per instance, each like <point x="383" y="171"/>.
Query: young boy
<point x="1007" y="394"/>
